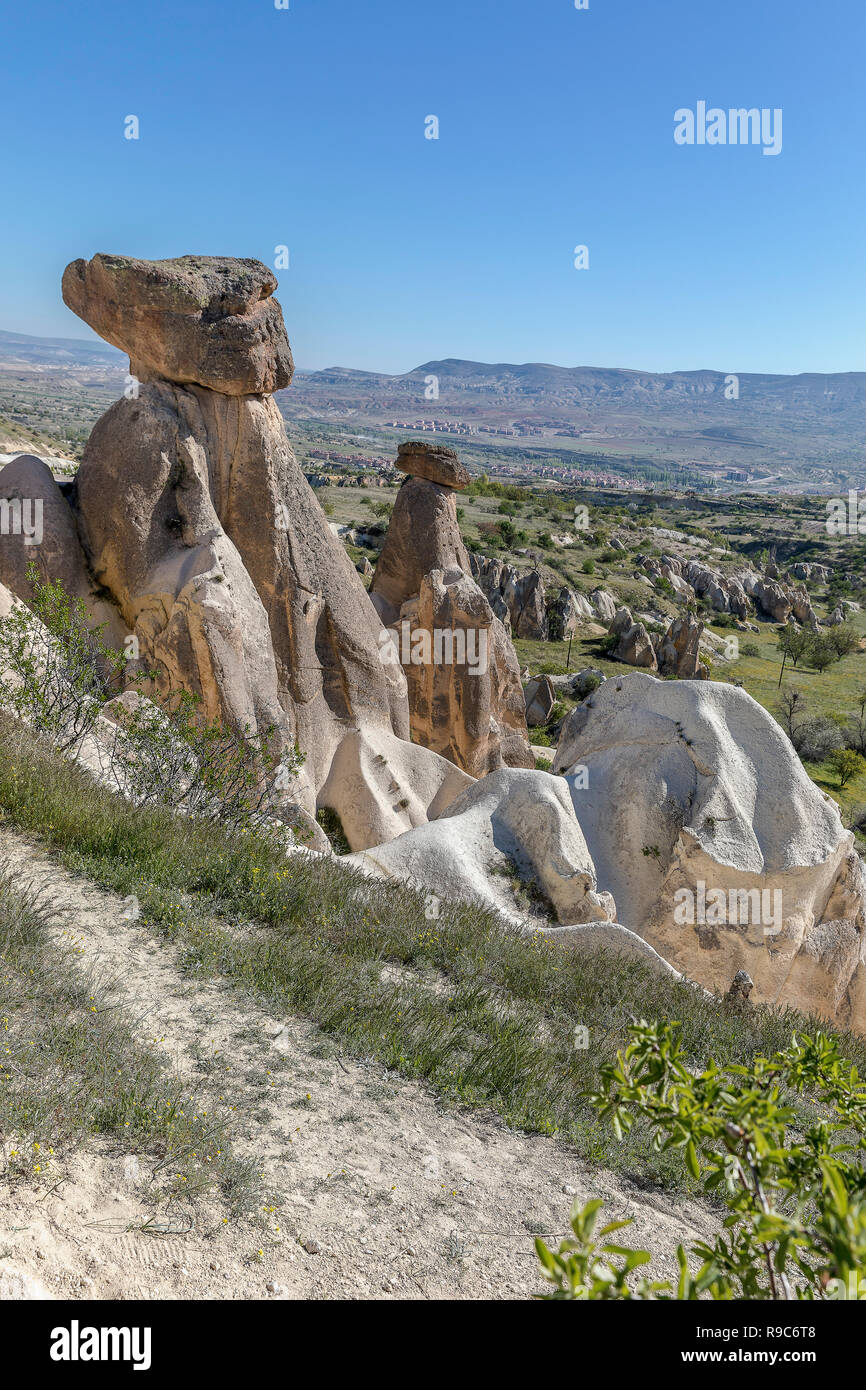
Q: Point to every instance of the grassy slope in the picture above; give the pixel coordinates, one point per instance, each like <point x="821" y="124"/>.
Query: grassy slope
<point x="484" y="1016"/>
<point x="72" y="1065"/>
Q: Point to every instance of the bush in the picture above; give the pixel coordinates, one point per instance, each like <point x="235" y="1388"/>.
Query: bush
<point x="813" y="739"/>
<point x="167" y="753"/>
<point x="750" y="649"/>
<point x="794" y="1187"/>
<point x="588" y="566"/>
<point x="163" y="750"/>
<point x="846" y="763"/>
<point x="817" y="739"/>
<point x="62" y="672"/>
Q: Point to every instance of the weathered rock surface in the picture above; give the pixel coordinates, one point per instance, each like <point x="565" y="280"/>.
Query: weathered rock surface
<point x="463" y="678"/>
<point x="469" y="709"/>
<point x="35" y="501"/>
<point x="820" y="573"/>
<point x="635" y="646"/>
<point x="570" y="611"/>
<point x="195" y="518"/>
<point x="434" y="462"/>
<point x="208" y="320"/>
<point x="540" y="698"/>
<point x="255" y="608"/>
<point x="381" y="786"/>
<point x="423" y="535"/>
<point x="679" y="652"/>
<point x="691" y="787"/>
<point x="604" y="604"/>
<point x="521" y="596"/>
<point x="513" y="824"/>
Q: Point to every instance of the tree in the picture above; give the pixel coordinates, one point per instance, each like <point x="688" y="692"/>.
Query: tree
<point x="855" y="732"/>
<point x="822" y="653"/>
<point x="792" y="712"/>
<point x="794" y="643"/>
<point x="842" y="640"/>
<point x="846" y="763"/>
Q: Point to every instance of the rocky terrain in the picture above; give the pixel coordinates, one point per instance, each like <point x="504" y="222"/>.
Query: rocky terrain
<point x="676" y="826"/>
<point x="190" y="531"/>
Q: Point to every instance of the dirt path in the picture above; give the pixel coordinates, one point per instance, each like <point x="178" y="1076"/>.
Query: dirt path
<point x="380" y="1190"/>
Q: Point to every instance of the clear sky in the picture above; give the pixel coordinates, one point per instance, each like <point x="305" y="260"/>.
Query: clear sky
<point x="305" y="127"/>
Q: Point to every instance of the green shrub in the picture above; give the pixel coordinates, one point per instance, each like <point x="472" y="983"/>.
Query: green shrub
<point x="792" y="1180"/>
<point x="62" y="672"/>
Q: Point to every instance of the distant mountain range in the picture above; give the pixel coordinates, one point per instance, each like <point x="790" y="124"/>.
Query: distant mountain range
<point x="587" y="386"/>
<point x="806" y="431"/>
<point x="22" y="347"/>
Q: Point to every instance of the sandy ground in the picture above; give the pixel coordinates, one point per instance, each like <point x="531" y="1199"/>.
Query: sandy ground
<point x="378" y="1190"/>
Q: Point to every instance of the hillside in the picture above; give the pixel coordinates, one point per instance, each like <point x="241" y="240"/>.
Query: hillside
<point x="782" y="433"/>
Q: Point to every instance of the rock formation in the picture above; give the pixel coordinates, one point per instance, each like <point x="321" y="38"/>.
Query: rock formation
<point x="465" y="697"/>
<point x="635" y="646"/>
<point x="514" y="825"/>
<point x="462" y="674"/>
<point x="679" y="652"/>
<point x="520" y="596"/>
<point x="254" y="606"/>
<point x="540" y="697"/>
<point x="423" y="534"/>
<point x="604" y="604"/>
<point x="569" y="611"/>
<point x="718" y="848"/>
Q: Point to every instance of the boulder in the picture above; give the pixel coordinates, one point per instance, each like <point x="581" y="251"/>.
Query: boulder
<point x="540" y="697"/>
<point x="717" y="846"/>
<point x="635" y="646"/>
<point x="434" y="462"/>
<point x="204" y="320"/>
<point x="772" y="600"/>
<point x="604" y="604"/>
<point x="515" y="825"/>
<point x="569" y="611"/>
<point x="802" y="608"/>
<point x="381" y="786"/>
<point x="525" y="597"/>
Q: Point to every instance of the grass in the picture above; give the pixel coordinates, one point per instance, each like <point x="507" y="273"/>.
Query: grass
<point x="483" y="1015"/>
<point x="832" y="693"/>
<point x="72" y="1066"/>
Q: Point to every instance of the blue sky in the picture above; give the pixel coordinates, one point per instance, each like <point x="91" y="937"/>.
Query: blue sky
<point x="262" y="127"/>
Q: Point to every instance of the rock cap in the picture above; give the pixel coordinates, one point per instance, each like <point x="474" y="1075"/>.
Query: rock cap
<point x="206" y="320"/>
<point x="435" y="462"/>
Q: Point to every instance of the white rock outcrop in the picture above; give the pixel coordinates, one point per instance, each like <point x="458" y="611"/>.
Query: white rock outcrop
<point x="514" y="824"/>
<point x="718" y="848"/>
